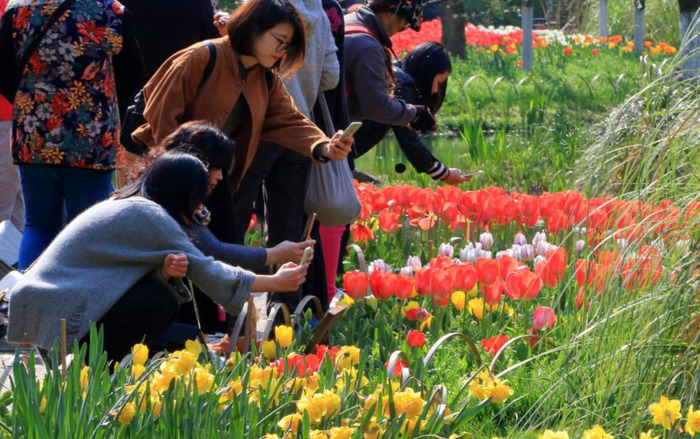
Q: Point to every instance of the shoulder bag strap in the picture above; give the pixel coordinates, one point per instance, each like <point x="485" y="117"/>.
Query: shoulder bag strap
<point x="57" y="14"/>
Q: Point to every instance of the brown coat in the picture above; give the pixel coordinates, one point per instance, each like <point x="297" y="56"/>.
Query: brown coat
<point x="173" y="96"/>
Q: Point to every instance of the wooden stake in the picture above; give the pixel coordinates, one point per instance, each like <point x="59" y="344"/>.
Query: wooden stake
<point x="63" y="347"/>
<point x="251" y="330"/>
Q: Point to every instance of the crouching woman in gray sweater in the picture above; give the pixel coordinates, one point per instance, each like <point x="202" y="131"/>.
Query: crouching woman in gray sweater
<point x="107" y="266"/>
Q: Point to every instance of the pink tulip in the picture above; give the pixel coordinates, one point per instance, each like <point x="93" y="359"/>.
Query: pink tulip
<point x="543" y="318"/>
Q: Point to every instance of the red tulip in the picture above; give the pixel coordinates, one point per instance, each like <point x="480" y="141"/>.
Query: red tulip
<point x="567" y="51"/>
<point x="494" y="344"/>
<point x="492" y="293"/>
<point x="361" y="233"/>
<point x="487" y="270"/>
<point x="417" y="315"/>
<point x="463" y="276"/>
<point x="403" y="286"/>
<point x="398" y="367"/>
<point x="355" y="283"/>
<point x="388" y="220"/>
<point x="415" y="339"/>
<point x="543" y="318"/>
<point x="380" y="283"/>
<point x="523" y="285"/>
<point x="507" y="265"/>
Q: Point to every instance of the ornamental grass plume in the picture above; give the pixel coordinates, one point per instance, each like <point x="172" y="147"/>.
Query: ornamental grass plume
<point x="666" y="412"/>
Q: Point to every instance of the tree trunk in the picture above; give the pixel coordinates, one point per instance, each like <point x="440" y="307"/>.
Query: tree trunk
<point x="527" y="36"/>
<point x="690" y="36"/>
<point x="453" y="22"/>
<point x="603" y="24"/>
<point x="639" y="26"/>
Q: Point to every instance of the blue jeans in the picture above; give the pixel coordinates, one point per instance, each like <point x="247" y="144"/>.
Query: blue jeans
<point x="47" y="191"/>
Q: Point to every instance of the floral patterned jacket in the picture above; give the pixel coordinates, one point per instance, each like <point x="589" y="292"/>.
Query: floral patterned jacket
<point x="65" y="110"/>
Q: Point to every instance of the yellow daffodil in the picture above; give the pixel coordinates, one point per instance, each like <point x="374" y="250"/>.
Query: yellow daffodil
<point x="193" y="346"/>
<point x="647" y="435"/>
<point x="183" y="361"/>
<point x="127" y="413"/>
<point x="666" y="412"/>
<point x="319" y="405"/>
<point x="549" y="434"/>
<point x="596" y="432"/>
<point x="290" y="422"/>
<point x="347" y="357"/>
<point x="269" y="349"/>
<point x="139" y="354"/>
<point x="284" y="335"/>
<point x="341" y="433"/>
<point x="692" y="425"/>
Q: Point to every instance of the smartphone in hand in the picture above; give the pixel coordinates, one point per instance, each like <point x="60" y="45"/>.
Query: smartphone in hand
<point x="350" y="130"/>
<point x="308" y="251"/>
<point x="471" y="174"/>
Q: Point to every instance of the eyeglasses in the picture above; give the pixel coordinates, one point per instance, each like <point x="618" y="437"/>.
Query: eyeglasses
<point x="283" y="46"/>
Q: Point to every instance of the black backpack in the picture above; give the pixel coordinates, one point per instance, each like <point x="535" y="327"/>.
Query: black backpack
<point x="133" y="118"/>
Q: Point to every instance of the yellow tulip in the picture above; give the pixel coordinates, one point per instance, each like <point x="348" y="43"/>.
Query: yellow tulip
<point x="458" y="300"/>
<point x="139" y="354"/>
<point x="269" y="349"/>
<point x="284" y="335"/>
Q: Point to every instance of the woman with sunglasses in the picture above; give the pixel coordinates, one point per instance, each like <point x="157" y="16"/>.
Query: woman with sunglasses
<point x="240" y="95"/>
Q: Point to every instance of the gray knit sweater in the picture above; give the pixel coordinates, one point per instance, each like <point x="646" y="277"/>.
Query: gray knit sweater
<point x="97" y="258"/>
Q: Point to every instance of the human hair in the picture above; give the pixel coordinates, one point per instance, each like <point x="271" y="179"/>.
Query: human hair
<point x="255" y="17"/>
<point x="380" y="6"/>
<point x="423" y="63"/>
<point x="177" y="181"/>
<point x="196" y="137"/>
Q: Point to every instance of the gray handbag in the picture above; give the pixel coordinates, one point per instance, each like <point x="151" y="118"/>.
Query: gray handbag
<point x="331" y="193"/>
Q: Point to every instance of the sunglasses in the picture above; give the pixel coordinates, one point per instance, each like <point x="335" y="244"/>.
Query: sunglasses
<point x="283" y="45"/>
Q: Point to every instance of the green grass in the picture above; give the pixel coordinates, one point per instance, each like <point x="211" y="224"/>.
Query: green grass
<point x="525" y="130"/>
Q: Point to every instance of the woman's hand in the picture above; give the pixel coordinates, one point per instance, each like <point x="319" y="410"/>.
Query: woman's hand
<point x="454" y="177"/>
<point x="339" y="149"/>
<point x="288" y="251"/>
<point x="288" y="278"/>
<point x="220" y="21"/>
<point x="175" y="265"/>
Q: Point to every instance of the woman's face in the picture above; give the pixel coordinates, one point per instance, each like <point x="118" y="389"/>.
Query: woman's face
<point x="215" y="176"/>
<point x="269" y="47"/>
<point x="439" y="79"/>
